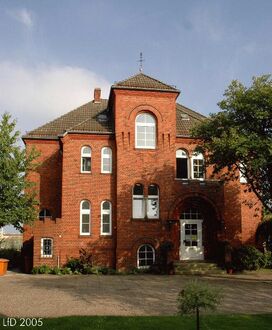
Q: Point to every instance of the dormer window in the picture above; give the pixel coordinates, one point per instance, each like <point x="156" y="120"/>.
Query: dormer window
<point x="145" y="131"/>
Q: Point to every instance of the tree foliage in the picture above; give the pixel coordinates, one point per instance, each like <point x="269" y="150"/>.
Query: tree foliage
<point x="196" y="296"/>
<point x="240" y="136"/>
<point x="17" y="194"/>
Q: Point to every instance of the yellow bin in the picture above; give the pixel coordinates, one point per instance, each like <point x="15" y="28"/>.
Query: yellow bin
<point x="3" y="266"/>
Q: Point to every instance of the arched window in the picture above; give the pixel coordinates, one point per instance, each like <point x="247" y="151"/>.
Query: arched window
<point x="145" y="131"/>
<point x="182" y="164"/>
<point x="138" y="207"/>
<point x="45" y="213"/>
<point x="145" y="256"/>
<point x="153" y="202"/>
<point x="197" y="166"/>
<point x="106" y="160"/>
<point x="46" y="247"/>
<point x="85" y="218"/>
<point x="106" y="218"/>
<point x="86" y="159"/>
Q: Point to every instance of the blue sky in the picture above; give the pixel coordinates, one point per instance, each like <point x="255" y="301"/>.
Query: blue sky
<point x="54" y="52"/>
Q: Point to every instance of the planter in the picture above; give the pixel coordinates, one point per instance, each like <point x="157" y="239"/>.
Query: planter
<point x="3" y="266"/>
<point x="230" y="271"/>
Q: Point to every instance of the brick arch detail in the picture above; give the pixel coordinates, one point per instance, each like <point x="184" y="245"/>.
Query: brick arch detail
<point x="144" y="240"/>
<point x="144" y="108"/>
<point x="180" y="201"/>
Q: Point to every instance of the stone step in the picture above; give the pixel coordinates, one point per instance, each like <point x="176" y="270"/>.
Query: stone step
<point x="193" y="267"/>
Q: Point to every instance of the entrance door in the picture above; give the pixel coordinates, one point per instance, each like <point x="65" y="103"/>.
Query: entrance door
<point x="191" y="239"/>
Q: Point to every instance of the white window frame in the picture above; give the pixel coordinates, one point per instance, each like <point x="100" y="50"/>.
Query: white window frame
<point x="82" y="212"/>
<point x="138" y="257"/>
<point x="42" y="246"/>
<point x="107" y="156"/>
<point x="182" y="153"/>
<point x="83" y="155"/>
<point x="197" y="156"/>
<point x="157" y="197"/>
<point x="138" y="197"/>
<point x="110" y="217"/>
<point x="137" y="124"/>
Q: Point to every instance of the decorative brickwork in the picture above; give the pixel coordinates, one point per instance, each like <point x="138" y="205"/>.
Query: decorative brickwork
<point x="228" y="212"/>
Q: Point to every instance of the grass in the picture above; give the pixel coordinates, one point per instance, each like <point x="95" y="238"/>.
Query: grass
<point x="208" y="322"/>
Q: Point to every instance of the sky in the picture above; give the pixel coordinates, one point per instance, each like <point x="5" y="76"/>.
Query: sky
<point x="54" y="53"/>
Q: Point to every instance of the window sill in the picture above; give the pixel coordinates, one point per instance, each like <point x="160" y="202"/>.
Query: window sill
<point x="45" y="257"/>
<point x="84" y="235"/>
<point x="145" y="219"/>
<point x="85" y="172"/>
<point x="106" y="235"/>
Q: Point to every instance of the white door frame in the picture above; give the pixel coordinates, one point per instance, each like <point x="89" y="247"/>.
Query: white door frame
<point x="191" y="252"/>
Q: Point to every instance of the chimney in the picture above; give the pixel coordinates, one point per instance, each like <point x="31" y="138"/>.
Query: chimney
<point x="97" y="95"/>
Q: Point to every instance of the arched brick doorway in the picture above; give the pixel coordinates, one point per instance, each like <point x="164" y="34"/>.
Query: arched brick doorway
<point x="200" y="229"/>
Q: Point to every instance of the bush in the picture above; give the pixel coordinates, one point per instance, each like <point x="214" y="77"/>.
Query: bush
<point x="74" y="264"/>
<point x="266" y="260"/>
<point x="56" y="271"/>
<point x="43" y="269"/>
<point x="247" y="258"/>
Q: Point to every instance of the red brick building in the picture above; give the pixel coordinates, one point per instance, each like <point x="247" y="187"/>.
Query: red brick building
<point x="121" y="177"/>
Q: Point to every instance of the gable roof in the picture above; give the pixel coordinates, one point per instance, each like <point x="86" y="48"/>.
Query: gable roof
<point x="143" y="82"/>
<point x="97" y="118"/>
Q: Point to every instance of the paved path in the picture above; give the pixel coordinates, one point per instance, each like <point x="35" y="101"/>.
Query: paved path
<point x="51" y="296"/>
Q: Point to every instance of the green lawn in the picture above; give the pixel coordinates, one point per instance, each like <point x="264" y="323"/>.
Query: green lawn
<point x="208" y="322"/>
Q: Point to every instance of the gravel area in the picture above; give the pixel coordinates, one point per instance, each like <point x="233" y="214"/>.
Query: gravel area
<point x="52" y="296"/>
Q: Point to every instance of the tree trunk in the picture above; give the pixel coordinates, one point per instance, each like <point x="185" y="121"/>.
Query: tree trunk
<point x="197" y="319"/>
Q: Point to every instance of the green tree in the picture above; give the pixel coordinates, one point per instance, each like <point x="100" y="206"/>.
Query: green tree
<point x="240" y="136"/>
<point x="17" y="194"/>
<point x="196" y="296"/>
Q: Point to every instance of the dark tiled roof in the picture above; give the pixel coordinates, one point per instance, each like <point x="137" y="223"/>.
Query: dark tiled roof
<point x="144" y="82"/>
<point x="90" y="117"/>
<point x="186" y="119"/>
<point x="96" y="118"/>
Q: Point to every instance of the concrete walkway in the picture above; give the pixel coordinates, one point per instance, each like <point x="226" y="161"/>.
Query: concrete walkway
<point x="51" y="296"/>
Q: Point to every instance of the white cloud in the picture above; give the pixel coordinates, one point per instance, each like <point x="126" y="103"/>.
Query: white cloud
<point x="23" y="16"/>
<point x="35" y="95"/>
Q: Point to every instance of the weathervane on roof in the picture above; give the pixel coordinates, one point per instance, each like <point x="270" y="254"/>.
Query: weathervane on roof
<point x="141" y="60"/>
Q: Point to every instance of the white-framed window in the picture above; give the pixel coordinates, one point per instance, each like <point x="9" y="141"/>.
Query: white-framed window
<point x="85" y="218"/>
<point x="145" y="131"/>
<point x="145" y="256"/>
<point x="46" y="247"/>
<point x="106" y="160"/>
<point x="198" y="166"/>
<point x="86" y="154"/>
<point x="44" y="213"/>
<point x="106" y="218"/>
<point x="153" y="202"/>
<point x="138" y="205"/>
<point x="182" y="164"/>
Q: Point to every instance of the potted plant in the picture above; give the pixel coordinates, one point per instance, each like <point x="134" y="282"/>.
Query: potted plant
<point x="229" y="267"/>
<point x="3" y="266"/>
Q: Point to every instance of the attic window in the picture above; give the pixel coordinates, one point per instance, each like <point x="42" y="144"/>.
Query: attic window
<point x="184" y="116"/>
<point x="102" y="118"/>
